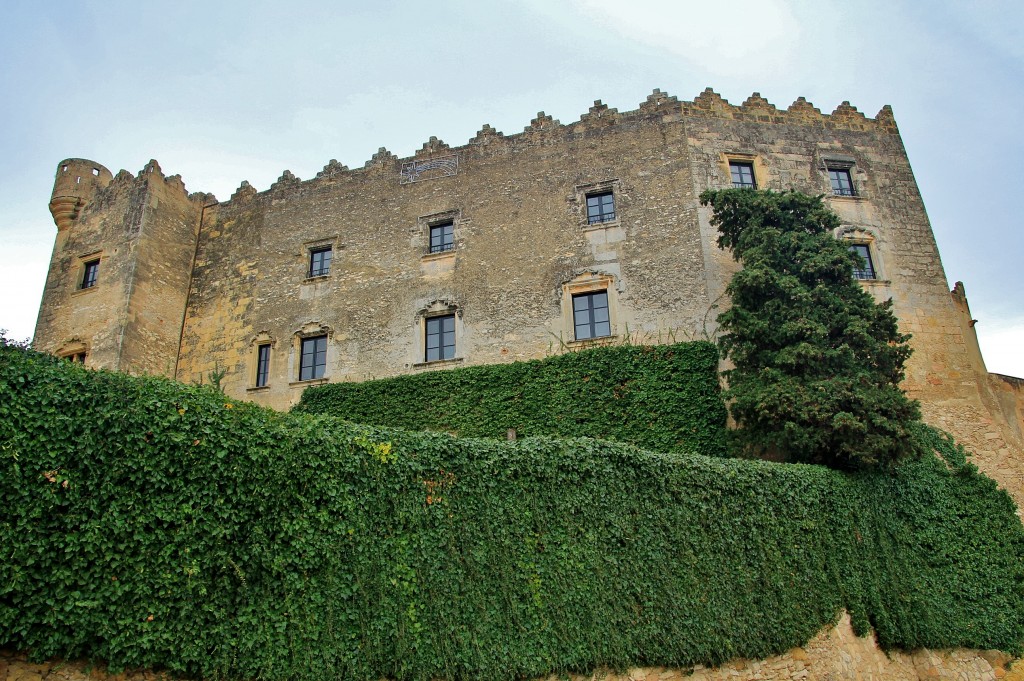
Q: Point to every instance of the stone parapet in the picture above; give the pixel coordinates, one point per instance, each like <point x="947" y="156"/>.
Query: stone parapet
<point x="602" y="119"/>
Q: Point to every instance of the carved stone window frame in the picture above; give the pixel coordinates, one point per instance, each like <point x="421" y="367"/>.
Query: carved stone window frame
<point x="756" y="162"/>
<point x="865" y="236"/>
<point x="310" y="330"/>
<point x="589" y="281"/>
<point x="583" y="191"/>
<point x="75" y="350"/>
<point x="262" y="339"/>
<point x="830" y="161"/>
<point x="83" y="261"/>
<point x="310" y="247"/>
<point x="424" y="223"/>
<point x="439" y="307"/>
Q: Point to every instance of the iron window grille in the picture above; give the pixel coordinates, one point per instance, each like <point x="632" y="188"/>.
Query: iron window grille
<point x="842" y="183"/>
<point x="590" y="315"/>
<point x="600" y="208"/>
<point x="440" y="338"/>
<point x="262" y="365"/>
<point x="90" y="273"/>
<point x="867" y="270"/>
<point x="742" y="175"/>
<point x="313" y="361"/>
<point x="442" y="237"/>
<point x="320" y="261"/>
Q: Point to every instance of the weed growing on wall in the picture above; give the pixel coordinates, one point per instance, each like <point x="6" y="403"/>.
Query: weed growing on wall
<point x="153" y="524"/>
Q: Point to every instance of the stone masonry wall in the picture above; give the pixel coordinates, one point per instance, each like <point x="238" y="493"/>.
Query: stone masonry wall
<point x="836" y="654"/>
<point x="521" y="242"/>
<point x="984" y="411"/>
<point x="163" y="269"/>
<point x="1009" y="391"/>
<point x="142" y="231"/>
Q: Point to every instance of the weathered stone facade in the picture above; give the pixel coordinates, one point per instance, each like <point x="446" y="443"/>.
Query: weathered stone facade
<point x="833" y="655"/>
<point x="189" y="287"/>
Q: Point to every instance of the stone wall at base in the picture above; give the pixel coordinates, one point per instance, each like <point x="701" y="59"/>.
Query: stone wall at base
<point x="836" y="654"/>
<point x="984" y="411"/>
<point x="1009" y="393"/>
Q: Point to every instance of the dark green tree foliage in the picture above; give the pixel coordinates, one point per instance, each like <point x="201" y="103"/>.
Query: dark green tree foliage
<point x="152" y="524"/>
<point x="665" y="397"/>
<point x="817" y="361"/>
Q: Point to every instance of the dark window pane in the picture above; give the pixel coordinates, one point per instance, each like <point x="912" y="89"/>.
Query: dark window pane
<point x="442" y="237"/>
<point x="440" y="340"/>
<point x="742" y="175"/>
<point x="600" y="207"/>
<point x="314" y="358"/>
<point x="842" y="184"/>
<point x="320" y="262"/>
<point x="91" y="273"/>
<point x="867" y="270"/>
<point x="590" y="315"/>
<point x="262" y="365"/>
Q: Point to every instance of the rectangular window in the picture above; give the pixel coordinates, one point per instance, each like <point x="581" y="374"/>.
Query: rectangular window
<point x="842" y="183"/>
<point x="320" y="261"/>
<point x="314" y="358"/>
<point x="262" y="365"/>
<point x="590" y="315"/>
<point x="600" y="208"/>
<point x="742" y="175"/>
<point x="90" y="272"/>
<point x="442" y="237"/>
<point x="440" y="341"/>
<point x="867" y="270"/>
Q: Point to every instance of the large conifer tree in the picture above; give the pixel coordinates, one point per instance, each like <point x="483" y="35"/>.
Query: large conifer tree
<point x="817" y="361"/>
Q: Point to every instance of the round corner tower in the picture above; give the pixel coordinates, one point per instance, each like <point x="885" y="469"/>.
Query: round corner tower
<point x="77" y="179"/>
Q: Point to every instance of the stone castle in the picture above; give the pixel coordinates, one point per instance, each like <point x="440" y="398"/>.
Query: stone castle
<point x="509" y="247"/>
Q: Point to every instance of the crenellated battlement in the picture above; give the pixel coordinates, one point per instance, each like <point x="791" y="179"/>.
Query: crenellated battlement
<point x="658" y="106"/>
<point x="77" y="179"/>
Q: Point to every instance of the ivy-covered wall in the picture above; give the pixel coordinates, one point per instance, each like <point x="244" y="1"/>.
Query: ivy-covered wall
<point x="154" y="524"/>
<point x="663" y="397"/>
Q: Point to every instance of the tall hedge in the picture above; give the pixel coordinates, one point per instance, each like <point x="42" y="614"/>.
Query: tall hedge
<point x="153" y="524"/>
<point x="664" y="398"/>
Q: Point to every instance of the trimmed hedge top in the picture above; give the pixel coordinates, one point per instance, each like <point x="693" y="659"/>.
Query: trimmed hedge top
<point x="665" y="398"/>
<point x="159" y="525"/>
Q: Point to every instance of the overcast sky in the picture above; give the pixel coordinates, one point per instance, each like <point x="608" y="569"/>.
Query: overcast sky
<point x="221" y="92"/>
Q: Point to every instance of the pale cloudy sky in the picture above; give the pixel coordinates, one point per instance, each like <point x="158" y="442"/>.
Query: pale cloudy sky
<point x="221" y="92"/>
